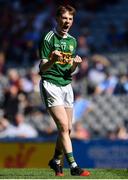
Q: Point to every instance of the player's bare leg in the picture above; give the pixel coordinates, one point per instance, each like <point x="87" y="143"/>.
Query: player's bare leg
<point x="61" y="117"/>
<point x="69" y="112"/>
<point x="58" y="154"/>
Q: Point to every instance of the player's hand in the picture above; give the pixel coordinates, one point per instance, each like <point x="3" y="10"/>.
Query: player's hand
<point x="56" y="55"/>
<point x="77" y="60"/>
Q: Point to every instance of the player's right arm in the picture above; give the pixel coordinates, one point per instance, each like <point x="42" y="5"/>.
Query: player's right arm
<point x="48" y="56"/>
<point x="45" y="64"/>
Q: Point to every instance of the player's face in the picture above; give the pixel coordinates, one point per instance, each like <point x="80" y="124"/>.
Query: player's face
<point x="64" y="23"/>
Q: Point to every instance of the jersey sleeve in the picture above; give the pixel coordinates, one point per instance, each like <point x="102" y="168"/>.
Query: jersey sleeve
<point x="44" y="49"/>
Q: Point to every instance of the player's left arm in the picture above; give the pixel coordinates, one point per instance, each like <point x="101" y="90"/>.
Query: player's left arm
<point x="76" y="61"/>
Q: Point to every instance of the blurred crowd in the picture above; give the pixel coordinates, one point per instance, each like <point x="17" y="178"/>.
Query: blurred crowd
<point x="24" y="22"/>
<point x="22" y="113"/>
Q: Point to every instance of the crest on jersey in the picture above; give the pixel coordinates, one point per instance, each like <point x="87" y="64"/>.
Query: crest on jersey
<point x="71" y="48"/>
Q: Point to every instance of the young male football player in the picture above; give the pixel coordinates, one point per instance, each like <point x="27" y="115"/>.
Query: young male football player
<point x="58" y="61"/>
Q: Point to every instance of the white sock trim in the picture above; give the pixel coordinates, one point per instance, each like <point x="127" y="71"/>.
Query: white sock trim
<point x="73" y="165"/>
<point x="57" y="161"/>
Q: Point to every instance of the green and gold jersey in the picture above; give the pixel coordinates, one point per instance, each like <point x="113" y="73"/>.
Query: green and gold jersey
<point x="59" y="73"/>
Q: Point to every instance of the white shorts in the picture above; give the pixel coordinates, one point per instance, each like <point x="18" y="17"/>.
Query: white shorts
<point x="56" y="95"/>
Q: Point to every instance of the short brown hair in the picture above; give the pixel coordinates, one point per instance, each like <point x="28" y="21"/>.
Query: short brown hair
<point x="62" y="9"/>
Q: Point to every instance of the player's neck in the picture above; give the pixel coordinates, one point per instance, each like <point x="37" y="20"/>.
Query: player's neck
<point x="58" y="32"/>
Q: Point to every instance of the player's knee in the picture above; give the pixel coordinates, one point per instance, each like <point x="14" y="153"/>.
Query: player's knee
<point x="64" y="128"/>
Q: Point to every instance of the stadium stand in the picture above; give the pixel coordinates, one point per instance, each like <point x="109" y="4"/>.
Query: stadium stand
<point x="109" y="114"/>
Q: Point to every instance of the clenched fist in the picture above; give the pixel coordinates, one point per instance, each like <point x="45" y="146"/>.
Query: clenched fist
<point x="77" y="59"/>
<point x="56" y="55"/>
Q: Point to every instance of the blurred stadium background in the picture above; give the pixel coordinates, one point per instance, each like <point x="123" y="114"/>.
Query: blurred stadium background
<point x="100" y="125"/>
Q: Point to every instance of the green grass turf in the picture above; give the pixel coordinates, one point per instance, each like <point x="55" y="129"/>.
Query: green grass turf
<point x="49" y="174"/>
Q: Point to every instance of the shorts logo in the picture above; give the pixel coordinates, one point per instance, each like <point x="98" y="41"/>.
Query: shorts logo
<point x="50" y="100"/>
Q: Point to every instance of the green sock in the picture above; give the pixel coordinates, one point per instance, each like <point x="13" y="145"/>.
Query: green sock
<point x="58" y="155"/>
<point x="70" y="159"/>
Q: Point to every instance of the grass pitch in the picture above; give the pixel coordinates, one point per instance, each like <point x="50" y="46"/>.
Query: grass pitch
<point x="34" y="173"/>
